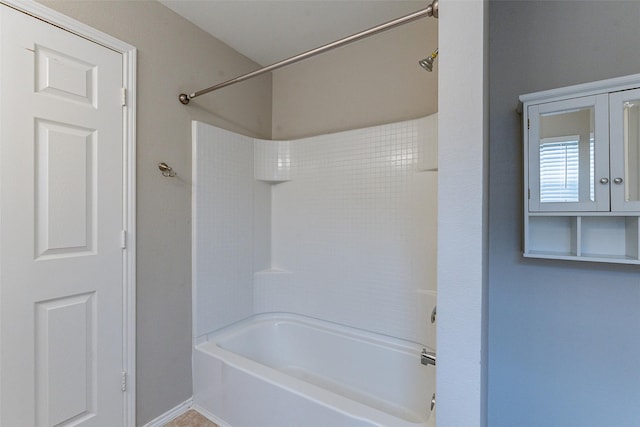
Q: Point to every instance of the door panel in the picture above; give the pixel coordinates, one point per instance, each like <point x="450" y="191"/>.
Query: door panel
<point x="65" y="339"/>
<point x="65" y="197"/>
<point x="61" y="216"/>
<point x="65" y="76"/>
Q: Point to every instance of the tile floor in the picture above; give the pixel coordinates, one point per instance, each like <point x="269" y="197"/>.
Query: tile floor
<point x="191" y="418"/>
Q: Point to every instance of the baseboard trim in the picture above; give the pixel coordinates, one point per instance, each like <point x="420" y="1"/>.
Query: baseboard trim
<point x="209" y="415"/>
<point x="171" y="414"/>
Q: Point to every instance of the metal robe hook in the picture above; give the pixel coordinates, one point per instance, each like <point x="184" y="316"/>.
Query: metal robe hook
<point x="166" y="170"/>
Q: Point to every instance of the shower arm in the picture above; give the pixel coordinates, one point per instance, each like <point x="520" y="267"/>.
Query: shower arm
<point x="431" y="10"/>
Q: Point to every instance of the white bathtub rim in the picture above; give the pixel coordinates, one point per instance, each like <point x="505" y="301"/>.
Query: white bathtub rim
<point x="375" y="338"/>
<point x="299" y="387"/>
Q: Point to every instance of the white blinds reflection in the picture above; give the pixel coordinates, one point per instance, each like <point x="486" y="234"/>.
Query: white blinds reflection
<point x="560" y="170"/>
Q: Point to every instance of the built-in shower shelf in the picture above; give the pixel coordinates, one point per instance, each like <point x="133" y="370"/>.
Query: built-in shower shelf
<point x="273" y="181"/>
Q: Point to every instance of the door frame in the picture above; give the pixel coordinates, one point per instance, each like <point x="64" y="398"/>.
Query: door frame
<point x="129" y="55"/>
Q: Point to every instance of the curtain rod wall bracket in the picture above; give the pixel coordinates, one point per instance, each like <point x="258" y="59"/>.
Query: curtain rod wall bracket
<point x="431" y="11"/>
<point x="184" y="98"/>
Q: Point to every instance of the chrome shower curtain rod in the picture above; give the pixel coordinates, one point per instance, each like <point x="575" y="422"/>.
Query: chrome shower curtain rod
<point x="431" y="10"/>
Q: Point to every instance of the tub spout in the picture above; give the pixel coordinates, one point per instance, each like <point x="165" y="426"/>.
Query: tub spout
<point x="428" y="357"/>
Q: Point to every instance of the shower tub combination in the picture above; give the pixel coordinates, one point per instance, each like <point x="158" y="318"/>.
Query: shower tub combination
<point x="285" y="370"/>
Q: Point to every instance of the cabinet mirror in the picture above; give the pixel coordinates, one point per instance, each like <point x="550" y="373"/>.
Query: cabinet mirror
<point x="569" y="155"/>
<point x="566" y="155"/>
<point x="631" y="138"/>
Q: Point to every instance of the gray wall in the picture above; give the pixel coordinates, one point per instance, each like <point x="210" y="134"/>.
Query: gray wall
<point x="174" y="56"/>
<point x="564" y="337"/>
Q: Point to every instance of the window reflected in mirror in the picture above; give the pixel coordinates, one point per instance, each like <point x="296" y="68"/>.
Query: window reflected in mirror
<point x="567" y="156"/>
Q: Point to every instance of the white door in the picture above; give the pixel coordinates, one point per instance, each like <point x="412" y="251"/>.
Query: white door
<point x="61" y="216"/>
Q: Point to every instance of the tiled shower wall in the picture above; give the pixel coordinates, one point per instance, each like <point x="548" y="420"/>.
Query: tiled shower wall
<point x="222" y="237"/>
<point x="352" y="235"/>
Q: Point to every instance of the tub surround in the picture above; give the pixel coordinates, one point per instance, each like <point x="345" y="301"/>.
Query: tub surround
<point x="340" y="227"/>
<point x="222" y="228"/>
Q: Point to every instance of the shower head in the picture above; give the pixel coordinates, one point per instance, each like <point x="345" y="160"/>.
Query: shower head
<point x="427" y="63"/>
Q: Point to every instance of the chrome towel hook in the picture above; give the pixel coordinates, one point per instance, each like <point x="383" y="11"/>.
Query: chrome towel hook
<point x="166" y="170"/>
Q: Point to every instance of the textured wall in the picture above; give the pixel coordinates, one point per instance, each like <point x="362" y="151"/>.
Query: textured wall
<point x="462" y="213"/>
<point x="173" y="56"/>
<point x="563" y="336"/>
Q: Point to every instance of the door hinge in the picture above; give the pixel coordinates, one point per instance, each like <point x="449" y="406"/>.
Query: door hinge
<point x="528" y="123"/>
<point x="124" y="96"/>
<point x="123" y="381"/>
<point x="123" y="239"/>
<point x="529" y="193"/>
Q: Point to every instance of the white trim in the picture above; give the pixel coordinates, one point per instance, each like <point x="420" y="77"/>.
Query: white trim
<point x="69" y="24"/>
<point x="194" y="236"/>
<point x="210" y="416"/>
<point x="129" y="111"/>
<point x="129" y="55"/>
<point x="461" y="373"/>
<point x="584" y="89"/>
<point x="171" y="414"/>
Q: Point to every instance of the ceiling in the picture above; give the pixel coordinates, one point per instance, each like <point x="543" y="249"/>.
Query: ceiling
<point x="268" y="31"/>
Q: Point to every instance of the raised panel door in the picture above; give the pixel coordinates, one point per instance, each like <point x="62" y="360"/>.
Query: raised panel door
<point x="61" y="216"/>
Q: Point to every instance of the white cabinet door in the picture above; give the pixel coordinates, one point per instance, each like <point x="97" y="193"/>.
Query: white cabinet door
<point x="568" y="155"/>
<point x="624" y="112"/>
<point x="61" y="216"/>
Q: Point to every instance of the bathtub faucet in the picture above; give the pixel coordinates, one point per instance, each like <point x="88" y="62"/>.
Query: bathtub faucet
<point x="428" y="357"/>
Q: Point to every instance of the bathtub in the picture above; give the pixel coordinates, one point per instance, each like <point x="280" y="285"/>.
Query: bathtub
<point x="285" y="370"/>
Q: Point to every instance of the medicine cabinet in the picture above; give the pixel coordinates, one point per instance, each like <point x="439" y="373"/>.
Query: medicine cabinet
<point x="582" y="172"/>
